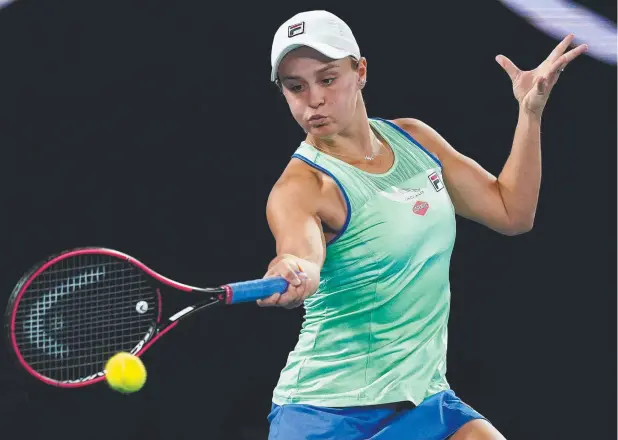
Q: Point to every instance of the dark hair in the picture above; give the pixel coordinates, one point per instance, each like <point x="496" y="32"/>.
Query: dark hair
<point x="354" y="61"/>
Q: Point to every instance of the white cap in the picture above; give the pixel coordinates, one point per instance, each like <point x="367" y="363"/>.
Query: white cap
<point x="320" y="30"/>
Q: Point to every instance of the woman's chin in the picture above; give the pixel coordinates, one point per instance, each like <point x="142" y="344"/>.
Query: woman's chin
<point x="323" y="130"/>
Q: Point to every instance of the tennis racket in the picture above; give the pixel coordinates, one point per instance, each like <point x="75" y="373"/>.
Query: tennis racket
<point x="70" y="313"/>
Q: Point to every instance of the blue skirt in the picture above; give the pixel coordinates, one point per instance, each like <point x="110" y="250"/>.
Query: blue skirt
<point x="436" y="418"/>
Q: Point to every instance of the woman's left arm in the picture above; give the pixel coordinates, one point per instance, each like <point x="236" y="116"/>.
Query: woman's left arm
<point x="507" y="203"/>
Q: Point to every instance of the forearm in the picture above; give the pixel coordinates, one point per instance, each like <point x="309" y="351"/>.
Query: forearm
<point x="520" y="179"/>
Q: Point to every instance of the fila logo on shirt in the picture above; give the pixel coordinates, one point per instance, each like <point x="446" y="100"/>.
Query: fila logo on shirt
<point x="296" y="29"/>
<point x="436" y="182"/>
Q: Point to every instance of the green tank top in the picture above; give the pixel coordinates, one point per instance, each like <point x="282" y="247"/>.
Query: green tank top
<point x="375" y="331"/>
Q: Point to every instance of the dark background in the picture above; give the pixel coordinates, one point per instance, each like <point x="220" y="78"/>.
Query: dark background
<point x="152" y="128"/>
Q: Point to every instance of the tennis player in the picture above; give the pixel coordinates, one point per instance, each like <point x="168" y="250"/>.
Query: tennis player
<point x="365" y="211"/>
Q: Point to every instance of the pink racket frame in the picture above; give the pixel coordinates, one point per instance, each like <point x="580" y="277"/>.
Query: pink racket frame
<point x="98" y="251"/>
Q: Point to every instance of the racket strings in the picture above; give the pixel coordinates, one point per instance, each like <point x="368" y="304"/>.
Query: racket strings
<point x="79" y="312"/>
<point x="102" y="299"/>
<point x="67" y="338"/>
<point x="49" y="289"/>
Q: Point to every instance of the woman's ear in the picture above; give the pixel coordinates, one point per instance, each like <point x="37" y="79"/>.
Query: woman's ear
<point x="362" y="72"/>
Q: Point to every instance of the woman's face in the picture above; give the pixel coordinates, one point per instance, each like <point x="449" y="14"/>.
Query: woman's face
<point x="322" y="93"/>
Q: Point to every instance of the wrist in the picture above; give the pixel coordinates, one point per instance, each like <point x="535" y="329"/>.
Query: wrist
<point x="527" y="115"/>
<point x="307" y="266"/>
<point x="530" y="115"/>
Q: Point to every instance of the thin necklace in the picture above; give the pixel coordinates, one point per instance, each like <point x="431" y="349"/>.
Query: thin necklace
<point x="374" y="154"/>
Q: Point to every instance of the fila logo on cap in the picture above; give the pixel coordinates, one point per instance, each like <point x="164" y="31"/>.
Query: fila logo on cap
<point x="296" y="29"/>
<point x="435" y="180"/>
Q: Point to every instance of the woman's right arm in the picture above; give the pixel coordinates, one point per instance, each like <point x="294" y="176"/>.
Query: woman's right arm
<point x="291" y="212"/>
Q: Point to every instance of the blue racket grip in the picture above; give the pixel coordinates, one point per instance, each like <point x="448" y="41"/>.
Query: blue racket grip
<point x="246" y="291"/>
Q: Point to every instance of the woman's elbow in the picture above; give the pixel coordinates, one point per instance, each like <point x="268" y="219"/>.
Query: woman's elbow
<point x="519" y="226"/>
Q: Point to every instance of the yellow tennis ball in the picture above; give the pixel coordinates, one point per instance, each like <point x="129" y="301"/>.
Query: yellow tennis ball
<point x="125" y="373"/>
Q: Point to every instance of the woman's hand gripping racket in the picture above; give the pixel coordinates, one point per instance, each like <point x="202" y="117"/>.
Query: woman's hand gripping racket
<point x="69" y="314"/>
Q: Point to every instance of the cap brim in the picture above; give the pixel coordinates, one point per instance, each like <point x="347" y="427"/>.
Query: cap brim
<point x="324" y="49"/>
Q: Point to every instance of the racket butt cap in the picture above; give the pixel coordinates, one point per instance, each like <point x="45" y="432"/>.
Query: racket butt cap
<point x="229" y="294"/>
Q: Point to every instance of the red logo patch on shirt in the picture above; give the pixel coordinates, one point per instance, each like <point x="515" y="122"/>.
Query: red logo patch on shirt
<point x="420" y="208"/>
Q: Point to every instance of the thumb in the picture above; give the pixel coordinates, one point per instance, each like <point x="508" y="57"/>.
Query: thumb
<point x="510" y="68"/>
<point x="291" y="276"/>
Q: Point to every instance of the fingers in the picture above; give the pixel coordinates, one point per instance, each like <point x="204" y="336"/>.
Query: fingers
<point x="291" y="276"/>
<point x="562" y="61"/>
<point x="558" y="52"/>
<point x="511" y="69"/>
<point x="295" y="294"/>
<point x="558" y="59"/>
<point x="561" y="47"/>
<point x="297" y="287"/>
<point x="556" y="68"/>
<point x="293" y="297"/>
<point x="270" y="301"/>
